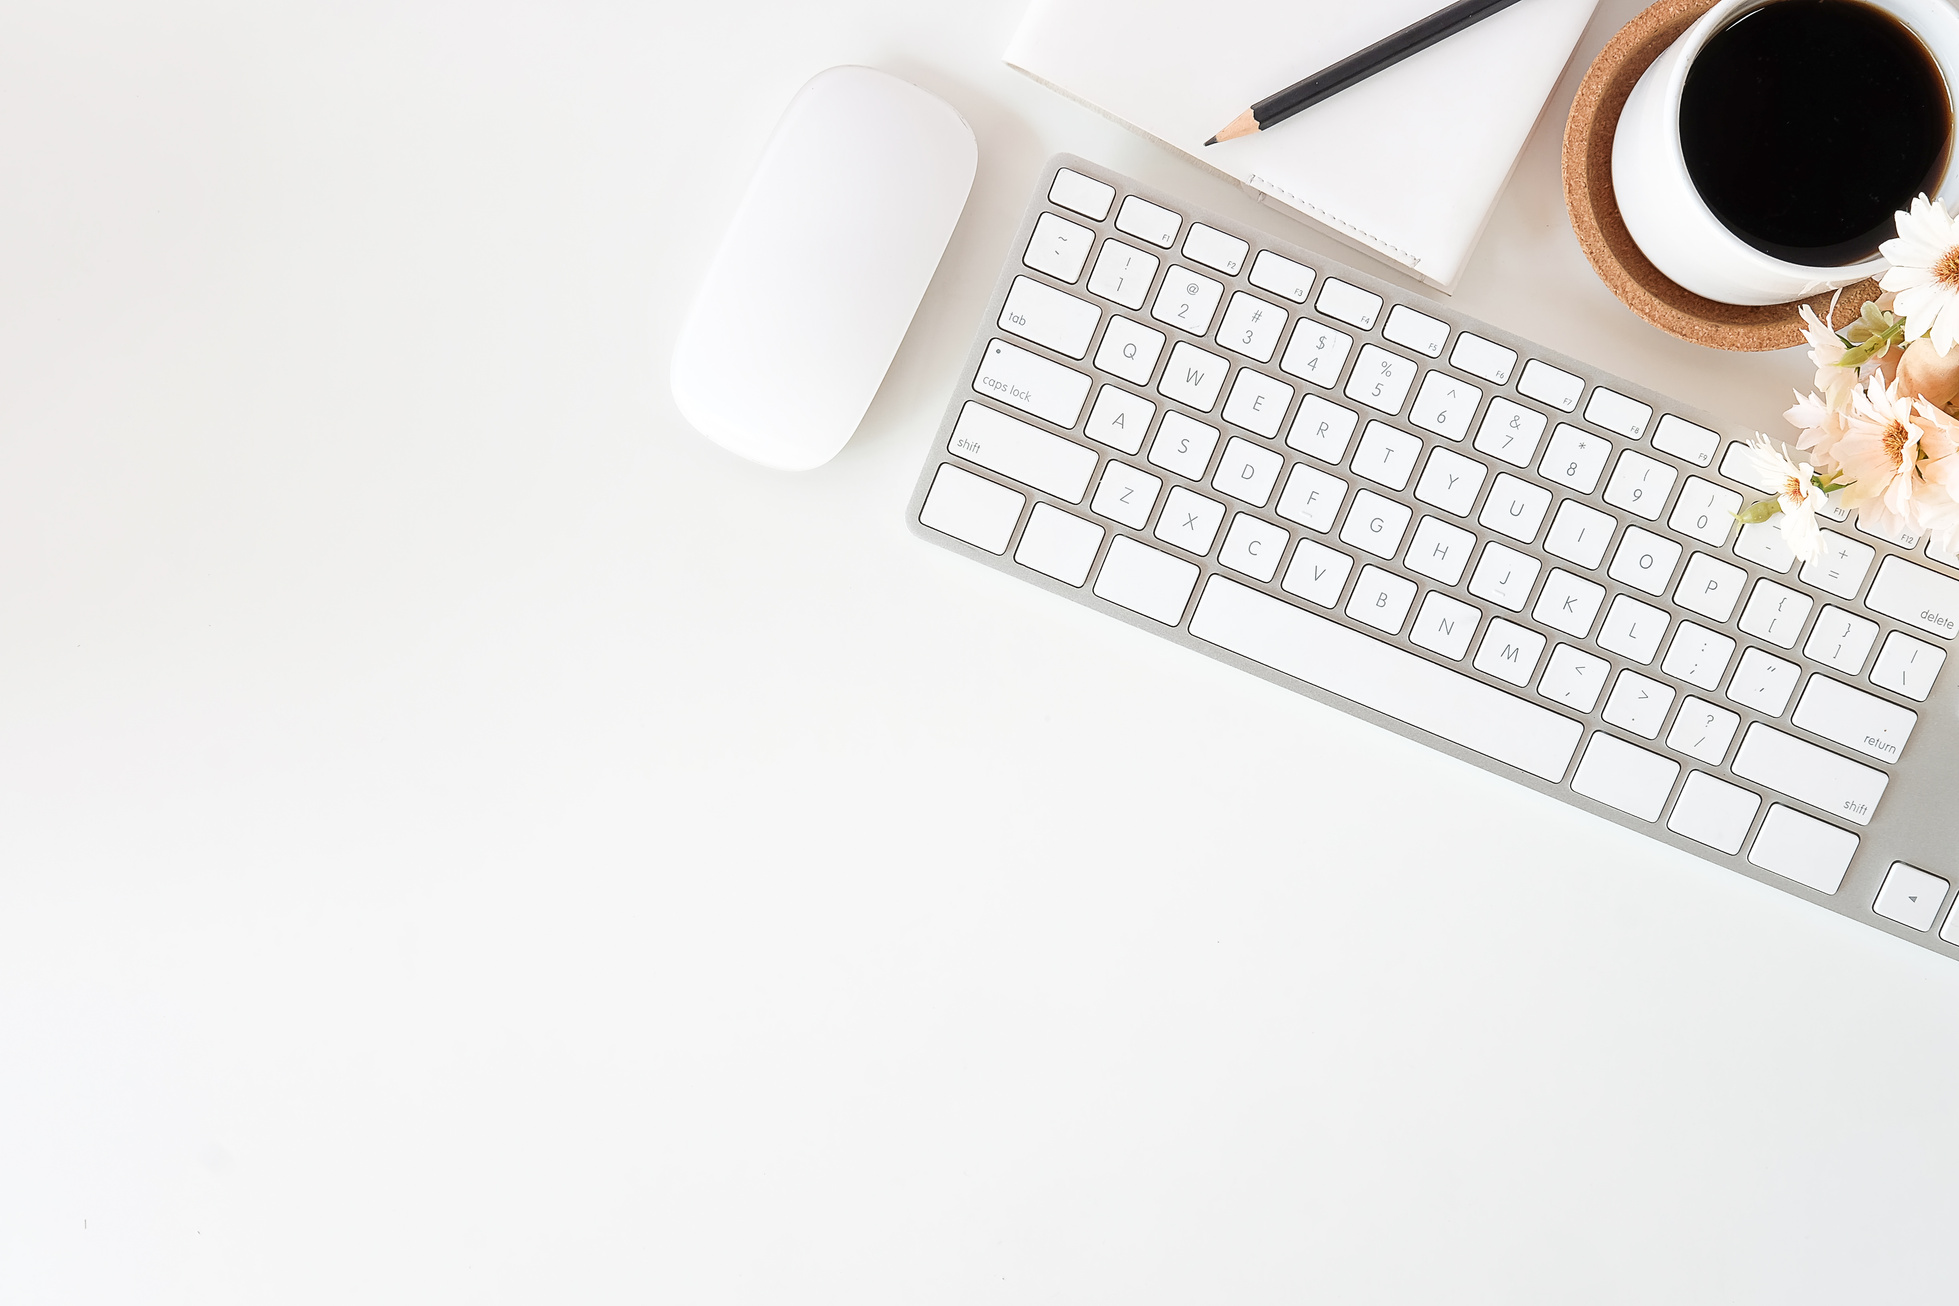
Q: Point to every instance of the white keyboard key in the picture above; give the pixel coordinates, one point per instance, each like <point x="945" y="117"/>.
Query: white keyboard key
<point x="1085" y="195"/>
<point x="1739" y="466"/>
<point x="1710" y="587"/>
<point x="1762" y="544"/>
<point x="1349" y="304"/>
<point x="1609" y="410"/>
<point x="1147" y="221"/>
<point x="1316" y="353"/>
<point x="1764" y="682"/>
<point x="1386" y="456"/>
<point x="1322" y="429"/>
<point x="1484" y="358"/>
<point x="1025" y="453"/>
<point x="1776" y="613"/>
<point x="1504" y="576"/>
<point x="1910" y="896"/>
<point x="1903" y="539"/>
<point x="1568" y="603"/>
<point x="1515" y="508"/>
<point x="1251" y="327"/>
<point x="1580" y="534"/>
<point x="1129" y="350"/>
<point x="1682" y="439"/>
<point x="1119" y="419"/>
<point x="1841" y="567"/>
<point x="1549" y="385"/>
<point x="1193" y="376"/>
<point x="1214" y="249"/>
<point x="1575" y="457"/>
<point x="1375" y="524"/>
<point x="1809" y="774"/>
<point x="1247" y="472"/>
<point x="1440" y="551"/>
<point x="1801" y="848"/>
<point x="1445" y="626"/>
<point x="1281" y="276"/>
<point x="1698" y="655"/>
<point x="1123" y="273"/>
<point x="1038" y="312"/>
<point x="1629" y="778"/>
<point x="1444" y="405"/>
<point x="1390" y="680"/>
<point x="1381" y="599"/>
<point x="1509" y="652"/>
<point x="1189" y="521"/>
<point x="1907" y="666"/>
<point x="1705" y="511"/>
<point x="1633" y="630"/>
<point x="1861" y="722"/>
<point x="1380" y="379"/>
<point x="1645" y="561"/>
<point x="1059" y="544"/>
<point x="1917" y="596"/>
<point x="1450" y="482"/>
<point x="1640" y="485"/>
<point x="1031" y="383"/>
<point x="1574" y="678"/>
<point x="1257" y="402"/>
<point x="1187" y="300"/>
<point x="972" y="508"/>
<point x="1184" y="446"/>
<point x="1714" y="812"/>
<point x="1058" y="247"/>
<point x="1311" y="497"/>
<point x="1639" y="704"/>
<point x="1703" y="730"/>
<point x="1317" y="573"/>
<point x="1417" y="331"/>
<point x="1510" y="432"/>
<point x="1253" y="547"/>
<point x="1126" y="494"/>
<point x="1939" y="555"/>
<point x="1841" y="640"/>
<point x="1146" y="580"/>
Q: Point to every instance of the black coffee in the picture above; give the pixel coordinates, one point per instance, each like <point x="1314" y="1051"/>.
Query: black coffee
<point x="1807" y="123"/>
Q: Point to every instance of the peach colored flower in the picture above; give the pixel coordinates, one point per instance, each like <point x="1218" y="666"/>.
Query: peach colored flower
<point x="1821" y="424"/>
<point x="1834" y="382"/>
<point x="1886" y="433"/>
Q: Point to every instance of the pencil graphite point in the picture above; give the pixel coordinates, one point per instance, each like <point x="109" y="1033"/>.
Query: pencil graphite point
<point x="1212" y="141"/>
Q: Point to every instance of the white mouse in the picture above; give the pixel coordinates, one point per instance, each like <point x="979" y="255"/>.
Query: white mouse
<point x="812" y="288"/>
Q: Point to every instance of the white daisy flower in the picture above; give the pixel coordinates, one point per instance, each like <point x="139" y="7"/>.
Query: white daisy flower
<point x="1834" y="381"/>
<point x="1796" y="491"/>
<point x="1924" y="272"/>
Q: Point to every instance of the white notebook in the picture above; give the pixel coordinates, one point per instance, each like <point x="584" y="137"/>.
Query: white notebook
<point x="1407" y="165"/>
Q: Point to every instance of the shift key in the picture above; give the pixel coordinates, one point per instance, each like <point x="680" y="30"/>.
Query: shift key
<point x="1022" y="451"/>
<point x="1917" y="596"/>
<point x="1031" y="383"/>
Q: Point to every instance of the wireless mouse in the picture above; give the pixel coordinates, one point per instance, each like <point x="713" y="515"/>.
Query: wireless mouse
<point x="814" y="284"/>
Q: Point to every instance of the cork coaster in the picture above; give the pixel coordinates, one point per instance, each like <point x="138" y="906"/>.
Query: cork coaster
<point x="1602" y="232"/>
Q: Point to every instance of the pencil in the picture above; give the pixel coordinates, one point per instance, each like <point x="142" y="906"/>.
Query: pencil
<point x="1384" y="53"/>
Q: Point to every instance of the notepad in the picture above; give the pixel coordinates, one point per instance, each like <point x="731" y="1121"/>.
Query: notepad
<point x="1407" y="165"/>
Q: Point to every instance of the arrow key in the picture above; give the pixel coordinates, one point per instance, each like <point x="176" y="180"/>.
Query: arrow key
<point x="1910" y="896"/>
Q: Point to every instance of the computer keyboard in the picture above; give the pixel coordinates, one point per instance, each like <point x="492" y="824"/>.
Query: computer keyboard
<point x="1451" y="531"/>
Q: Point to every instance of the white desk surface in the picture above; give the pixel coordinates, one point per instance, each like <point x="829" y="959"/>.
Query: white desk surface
<point x="463" y="838"/>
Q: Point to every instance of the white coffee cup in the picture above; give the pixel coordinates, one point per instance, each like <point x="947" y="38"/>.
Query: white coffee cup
<point x="1672" y="224"/>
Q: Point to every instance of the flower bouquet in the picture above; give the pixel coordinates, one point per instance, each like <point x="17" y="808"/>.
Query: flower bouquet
<point x="1879" y="431"/>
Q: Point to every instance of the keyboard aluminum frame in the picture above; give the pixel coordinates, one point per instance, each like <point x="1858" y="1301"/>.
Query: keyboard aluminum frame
<point x="1917" y="822"/>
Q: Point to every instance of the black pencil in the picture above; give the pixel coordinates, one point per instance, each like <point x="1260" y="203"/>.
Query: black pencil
<point x="1384" y="53"/>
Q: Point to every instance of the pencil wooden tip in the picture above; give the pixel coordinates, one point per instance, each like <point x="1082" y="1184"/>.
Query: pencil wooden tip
<point x="1243" y="125"/>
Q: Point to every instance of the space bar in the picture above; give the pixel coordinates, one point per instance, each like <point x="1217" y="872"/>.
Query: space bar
<point x="1385" y="678"/>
